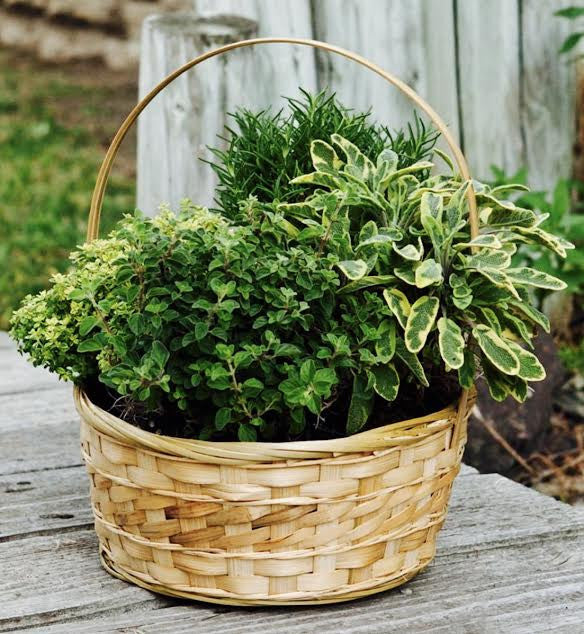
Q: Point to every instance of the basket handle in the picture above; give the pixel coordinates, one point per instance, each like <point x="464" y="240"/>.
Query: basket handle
<point x="106" y="166"/>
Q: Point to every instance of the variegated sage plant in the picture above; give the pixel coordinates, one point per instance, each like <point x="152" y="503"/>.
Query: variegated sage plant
<point x="455" y="301"/>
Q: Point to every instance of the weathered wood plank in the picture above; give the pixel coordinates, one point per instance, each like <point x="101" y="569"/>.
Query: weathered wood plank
<point x="40" y="430"/>
<point x="488" y="514"/>
<point x="41" y="502"/>
<point x="549" y="86"/>
<point x="414" y="40"/>
<point x="490" y="84"/>
<point x="17" y="375"/>
<point x="174" y="132"/>
<point x="527" y="587"/>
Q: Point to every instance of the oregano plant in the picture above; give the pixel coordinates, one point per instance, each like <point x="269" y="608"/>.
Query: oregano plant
<point x="357" y="297"/>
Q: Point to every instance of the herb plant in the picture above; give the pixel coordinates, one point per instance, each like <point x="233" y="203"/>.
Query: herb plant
<point x="319" y="314"/>
<point x="265" y="151"/>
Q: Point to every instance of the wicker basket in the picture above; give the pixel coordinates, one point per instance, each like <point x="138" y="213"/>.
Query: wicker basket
<point x="271" y="523"/>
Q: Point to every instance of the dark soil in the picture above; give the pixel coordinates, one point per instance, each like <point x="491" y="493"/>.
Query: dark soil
<point x="413" y="401"/>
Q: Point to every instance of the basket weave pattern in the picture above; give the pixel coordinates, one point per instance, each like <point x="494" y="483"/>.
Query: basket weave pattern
<point x="255" y="523"/>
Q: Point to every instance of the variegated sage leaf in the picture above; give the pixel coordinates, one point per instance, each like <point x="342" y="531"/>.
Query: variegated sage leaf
<point x="513" y="216"/>
<point x="398" y="304"/>
<point x="496" y="349"/>
<point x="324" y="156"/>
<point x="488" y="240"/>
<point x="429" y="272"/>
<point x="386" y="381"/>
<point x="532" y="314"/>
<point x="358" y="164"/>
<point x="407" y="273"/>
<point x="409" y="251"/>
<point x="411" y="361"/>
<point x="498" y="387"/>
<point x="451" y="342"/>
<point x="533" y="277"/>
<point x="488" y="259"/>
<point x="500" y="279"/>
<point x="420" y="321"/>
<point x="322" y="179"/>
<point x="368" y="230"/>
<point x="516" y="326"/>
<point x="361" y="404"/>
<point x="367" y="281"/>
<point x="489" y="318"/>
<point x="467" y="371"/>
<point x="353" y="269"/>
<point x="539" y="236"/>
<point x="530" y="368"/>
<point x="385" y="346"/>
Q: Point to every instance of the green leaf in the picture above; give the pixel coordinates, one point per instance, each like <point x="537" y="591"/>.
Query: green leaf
<point x="530" y="367"/>
<point x="307" y="371"/>
<point x="385" y="346"/>
<point x="361" y="166"/>
<point x="539" y="236"/>
<point x="411" y="361"/>
<point x="408" y="252"/>
<point x="407" y="273"/>
<point x="87" y="324"/>
<point x="323" y="381"/>
<point x="321" y="179"/>
<point x="77" y="295"/>
<point x="532" y="314"/>
<point x="431" y="209"/>
<point x="361" y="404"/>
<point x="160" y="354"/>
<point x="398" y="304"/>
<point x="247" y="433"/>
<point x="324" y="156"/>
<point x="222" y="417"/>
<point x="489" y="318"/>
<point x="201" y="330"/>
<point x="500" y="279"/>
<point x="429" y="272"/>
<point x="386" y="381"/>
<point x="451" y="342"/>
<point x="353" y="269"/>
<point x="570" y="12"/>
<point x="488" y="259"/>
<point x="496" y="349"/>
<point x="252" y="387"/>
<point x="570" y="42"/>
<point x="502" y="217"/>
<point x="533" y="277"/>
<point x="90" y="345"/>
<point x="467" y="371"/>
<point x="488" y="240"/>
<point x="365" y="282"/>
<point x="420" y="321"/>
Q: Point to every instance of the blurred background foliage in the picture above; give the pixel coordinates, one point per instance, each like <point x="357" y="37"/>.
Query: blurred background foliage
<point x="54" y="126"/>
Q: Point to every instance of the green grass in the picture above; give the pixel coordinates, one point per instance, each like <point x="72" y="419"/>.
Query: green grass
<point x="47" y="173"/>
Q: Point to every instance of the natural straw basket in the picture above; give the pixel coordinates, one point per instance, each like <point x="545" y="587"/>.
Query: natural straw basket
<point x="271" y="523"/>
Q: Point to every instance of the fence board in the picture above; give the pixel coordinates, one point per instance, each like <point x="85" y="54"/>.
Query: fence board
<point x="549" y="85"/>
<point x="489" y="67"/>
<point x="414" y="40"/>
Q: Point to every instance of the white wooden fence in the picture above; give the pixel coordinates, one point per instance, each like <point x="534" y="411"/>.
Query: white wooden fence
<point x="489" y="67"/>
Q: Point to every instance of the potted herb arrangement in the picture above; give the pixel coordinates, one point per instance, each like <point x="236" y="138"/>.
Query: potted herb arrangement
<point x="274" y="394"/>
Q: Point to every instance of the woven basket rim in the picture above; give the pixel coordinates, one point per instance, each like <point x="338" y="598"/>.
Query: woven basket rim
<point x="230" y="452"/>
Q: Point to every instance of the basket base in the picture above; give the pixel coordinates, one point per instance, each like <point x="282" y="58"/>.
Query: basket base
<point x="115" y="571"/>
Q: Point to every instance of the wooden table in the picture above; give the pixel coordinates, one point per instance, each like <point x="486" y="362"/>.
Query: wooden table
<point x="509" y="559"/>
